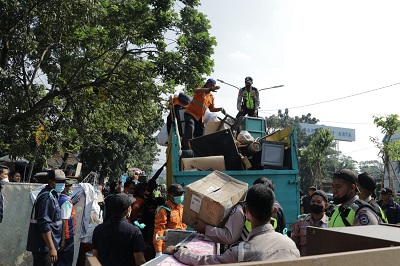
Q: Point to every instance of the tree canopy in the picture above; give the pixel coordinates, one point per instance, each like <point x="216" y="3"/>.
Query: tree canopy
<point x="90" y="77"/>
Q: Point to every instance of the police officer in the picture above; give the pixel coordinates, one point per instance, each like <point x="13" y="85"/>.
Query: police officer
<point x="45" y="228"/>
<point x="389" y="206"/>
<point x="367" y="186"/>
<point x="237" y="227"/>
<point x="248" y="100"/>
<point x="263" y="243"/>
<point x="317" y="218"/>
<point x="352" y="210"/>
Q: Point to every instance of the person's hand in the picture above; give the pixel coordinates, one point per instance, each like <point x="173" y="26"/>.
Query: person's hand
<point x="200" y="226"/>
<point x="53" y="255"/>
<point x="223" y="111"/>
<point x="168" y="250"/>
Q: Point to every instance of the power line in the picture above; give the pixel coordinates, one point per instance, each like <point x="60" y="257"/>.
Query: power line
<point x="337" y="99"/>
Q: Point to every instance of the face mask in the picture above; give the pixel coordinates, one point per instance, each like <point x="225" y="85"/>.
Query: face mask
<point x="59" y="187"/>
<point x="341" y="199"/>
<point x="178" y="200"/>
<point x="4" y="181"/>
<point x="316" y="209"/>
<point x="70" y="192"/>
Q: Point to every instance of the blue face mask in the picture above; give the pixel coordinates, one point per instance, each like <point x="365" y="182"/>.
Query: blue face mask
<point x="59" y="187"/>
<point x="178" y="200"/>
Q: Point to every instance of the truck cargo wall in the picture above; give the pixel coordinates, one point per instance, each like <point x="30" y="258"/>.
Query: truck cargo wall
<point x="15" y="225"/>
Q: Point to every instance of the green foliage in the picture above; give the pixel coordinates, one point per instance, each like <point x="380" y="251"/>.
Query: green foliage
<point x="373" y="167"/>
<point x="388" y="148"/>
<point x="95" y="74"/>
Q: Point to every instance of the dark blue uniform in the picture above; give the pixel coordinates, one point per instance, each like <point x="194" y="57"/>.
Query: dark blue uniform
<point x="45" y="217"/>
<point x="1" y="205"/>
<point x="392" y="211"/>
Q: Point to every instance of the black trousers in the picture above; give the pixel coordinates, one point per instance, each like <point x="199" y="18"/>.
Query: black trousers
<point x="41" y="259"/>
<point x="246" y="111"/>
<point x="66" y="255"/>
<point x="193" y="129"/>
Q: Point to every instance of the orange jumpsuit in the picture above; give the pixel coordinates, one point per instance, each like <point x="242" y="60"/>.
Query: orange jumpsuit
<point x="161" y="224"/>
<point x="137" y="209"/>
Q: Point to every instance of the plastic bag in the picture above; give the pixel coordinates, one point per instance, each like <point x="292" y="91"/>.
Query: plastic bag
<point x="162" y="136"/>
<point x="244" y="137"/>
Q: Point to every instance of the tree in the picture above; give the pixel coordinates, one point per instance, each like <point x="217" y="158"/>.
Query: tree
<point x="93" y="75"/>
<point x="388" y="148"/>
<point x="373" y="167"/>
<point x="316" y="151"/>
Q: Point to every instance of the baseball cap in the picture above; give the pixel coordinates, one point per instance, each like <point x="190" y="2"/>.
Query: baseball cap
<point x="175" y="189"/>
<point x="386" y="191"/>
<point x="211" y="80"/>
<point x="367" y="181"/>
<point x="118" y="203"/>
<point x="248" y="79"/>
<point x="57" y="175"/>
<point x="320" y="193"/>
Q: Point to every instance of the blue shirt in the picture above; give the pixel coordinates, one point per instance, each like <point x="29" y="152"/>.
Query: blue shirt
<point x="392" y="211"/>
<point x="45" y="217"/>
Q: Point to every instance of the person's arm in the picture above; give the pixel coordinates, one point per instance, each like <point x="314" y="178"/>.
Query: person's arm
<point x="95" y="253"/>
<point x="232" y="230"/>
<point x="295" y="236"/>
<point x="256" y="99"/>
<point x="152" y="182"/>
<point x="139" y="258"/>
<point x="239" y="101"/>
<point x="49" y="243"/>
<point x="64" y="228"/>
<point x="185" y="256"/>
<point x="160" y="225"/>
<point x="206" y="90"/>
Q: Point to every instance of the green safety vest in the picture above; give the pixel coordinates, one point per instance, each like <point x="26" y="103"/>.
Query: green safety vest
<point x="247" y="227"/>
<point x="345" y="217"/>
<point x="249" y="99"/>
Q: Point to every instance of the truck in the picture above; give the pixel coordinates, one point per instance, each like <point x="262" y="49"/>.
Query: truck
<point x="285" y="179"/>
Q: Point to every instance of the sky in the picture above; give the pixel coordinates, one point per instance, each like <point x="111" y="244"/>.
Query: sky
<point x="338" y="60"/>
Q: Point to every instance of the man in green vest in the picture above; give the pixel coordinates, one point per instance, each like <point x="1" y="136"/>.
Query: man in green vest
<point x="248" y="100"/>
<point x="352" y="211"/>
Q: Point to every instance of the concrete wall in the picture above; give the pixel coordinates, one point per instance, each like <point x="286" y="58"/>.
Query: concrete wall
<point x="15" y="225"/>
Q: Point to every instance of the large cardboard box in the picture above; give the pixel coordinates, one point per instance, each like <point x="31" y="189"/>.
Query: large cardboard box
<point x="211" y="198"/>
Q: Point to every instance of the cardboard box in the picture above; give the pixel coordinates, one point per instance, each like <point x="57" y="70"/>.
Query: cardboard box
<point x="204" y="163"/>
<point x="211" y="198"/>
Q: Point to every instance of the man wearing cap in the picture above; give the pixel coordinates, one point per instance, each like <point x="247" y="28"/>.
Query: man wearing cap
<point x="352" y="211"/>
<point x="317" y="218"/>
<point x="202" y="100"/>
<point x="367" y="186"/>
<point x="305" y="201"/>
<point x="68" y="217"/>
<point x="117" y="242"/>
<point x="45" y="228"/>
<point x="168" y="216"/>
<point x="389" y="206"/>
<point x="248" y="100"/>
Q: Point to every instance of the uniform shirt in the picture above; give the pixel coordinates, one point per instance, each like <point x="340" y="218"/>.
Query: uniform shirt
<point x="116" y="241"/>
<point x="392" y="211"/>
<point x="242" y="98"/>
<point x="232" y="229"/>
<point x="263" y="244"/>
<point x="137" y="209"/>
<point x="299" y="233"/>
<point x="161" y="223"/>
<point x="365" y="215"/>
<point x="45" y="217"/>
<point x="198" y="106"/>
<point x="68" y="214"/>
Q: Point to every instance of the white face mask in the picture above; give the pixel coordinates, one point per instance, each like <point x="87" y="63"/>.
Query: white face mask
<point x="4" y="181"/>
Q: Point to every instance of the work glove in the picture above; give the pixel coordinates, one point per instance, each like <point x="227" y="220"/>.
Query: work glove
<point x="223" y="111"/>
<point x="158" y="254"/>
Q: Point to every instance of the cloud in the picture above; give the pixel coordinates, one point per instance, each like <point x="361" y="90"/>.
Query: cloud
<point x="238" y="56"/>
